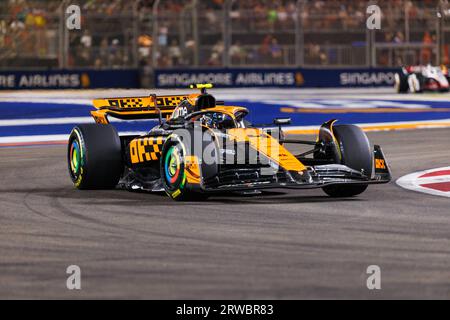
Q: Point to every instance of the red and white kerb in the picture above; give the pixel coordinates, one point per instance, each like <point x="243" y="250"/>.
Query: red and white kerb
<point x="433" y="181"/>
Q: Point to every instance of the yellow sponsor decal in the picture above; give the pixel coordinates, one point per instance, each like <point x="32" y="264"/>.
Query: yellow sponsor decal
<point x="126" y="103"/>
<point x="192" y="169"/>
<point x="170" y="101"/>
<point x="145" y="149"/>
<point x="140" y="102"/>
<point x="380" y="164"/>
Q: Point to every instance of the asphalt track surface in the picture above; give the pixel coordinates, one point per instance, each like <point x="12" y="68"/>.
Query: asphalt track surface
<point x="284" y="244"/>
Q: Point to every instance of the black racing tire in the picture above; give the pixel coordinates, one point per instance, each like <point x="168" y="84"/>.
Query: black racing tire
<point x="417" y="83"/>
<point x="356" y="153"/>
<point x="95" y="156"/>
<point x="401" y="83"/>
<point x="173" y="175"/>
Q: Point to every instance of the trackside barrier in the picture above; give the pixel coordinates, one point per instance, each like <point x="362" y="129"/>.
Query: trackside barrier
<point x="65" y="79"/>
<point x="285" y="77"/>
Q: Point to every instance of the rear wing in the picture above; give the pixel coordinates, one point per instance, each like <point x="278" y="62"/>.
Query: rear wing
<point x="129" y="108"/>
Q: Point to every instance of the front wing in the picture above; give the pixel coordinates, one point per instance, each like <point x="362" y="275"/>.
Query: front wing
<point x="314" y="177"/>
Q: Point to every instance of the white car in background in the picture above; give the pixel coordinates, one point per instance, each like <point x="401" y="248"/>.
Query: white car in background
<point x="418" y="79"/>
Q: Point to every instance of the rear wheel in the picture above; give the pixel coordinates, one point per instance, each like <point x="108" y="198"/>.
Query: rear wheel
<point x="356" y="154"/>
<point x="94" y="156"/>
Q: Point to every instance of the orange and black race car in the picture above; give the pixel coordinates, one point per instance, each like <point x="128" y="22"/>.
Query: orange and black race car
<point x="202" y="147"/>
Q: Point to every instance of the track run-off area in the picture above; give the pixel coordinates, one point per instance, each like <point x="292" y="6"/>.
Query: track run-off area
<point x="282" y="244"/>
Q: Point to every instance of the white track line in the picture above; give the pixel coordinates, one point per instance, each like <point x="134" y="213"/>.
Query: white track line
<point x="254" y="94"/>
<point x="86" y="102"/>
<point x="47" y="138"/>
<point x="67" y="120"/>
<point x="44" y="121"/>
<point x="37" y="138"/>
<point x="443" y="123"/>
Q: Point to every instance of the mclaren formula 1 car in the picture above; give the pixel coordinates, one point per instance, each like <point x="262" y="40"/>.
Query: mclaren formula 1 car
<point x="202" y="147"/>
<point x="417" y="79"/>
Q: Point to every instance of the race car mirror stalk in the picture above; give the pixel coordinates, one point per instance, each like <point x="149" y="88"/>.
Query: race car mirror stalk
<point x="282" y="121"/>
<point x="204" y="148"/>
<point x="155" y="103"/>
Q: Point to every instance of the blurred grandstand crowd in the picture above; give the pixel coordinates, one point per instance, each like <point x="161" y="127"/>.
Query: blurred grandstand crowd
<point x="262" y="32"/>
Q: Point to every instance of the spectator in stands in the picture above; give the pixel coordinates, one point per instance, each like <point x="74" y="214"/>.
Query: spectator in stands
<point x="103" y="52"/>
<point x="81" y="57"/>
<point x="163" y="34"/>
<point x="86" y="39"/>
<point x="237" y="53"/>
<point x="219" y="47"/>
<point x="399" y="37"/>
<point x="98" y="63"/>
<point x="3" y="32"/>
<point x="214" y="60"/>
<point x="272" y="18"/>
<point x="216" y="56"/>
<point x="116" y="57"/>
<point x="388" y="37"/>
<point x="282" y="16"/>
<point x="211" y="17"/>
<point x="175" y="55"/>
<point x="264" y="50"/>
<point x="427" y="53"/>
<point x="315" y="55"/>
<point x="145" y="43"/>
<point x="189" y="52"/>
<point x="40" y="22"/>
<point x="292" y="15"/>
<point x="276" y="51"/>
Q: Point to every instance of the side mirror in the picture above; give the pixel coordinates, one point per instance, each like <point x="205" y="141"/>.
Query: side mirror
<point x="282" y="121"/>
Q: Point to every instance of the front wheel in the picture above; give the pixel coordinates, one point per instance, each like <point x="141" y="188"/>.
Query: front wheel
<point x="173" y="174"/>
<point x="355" y="153"/>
